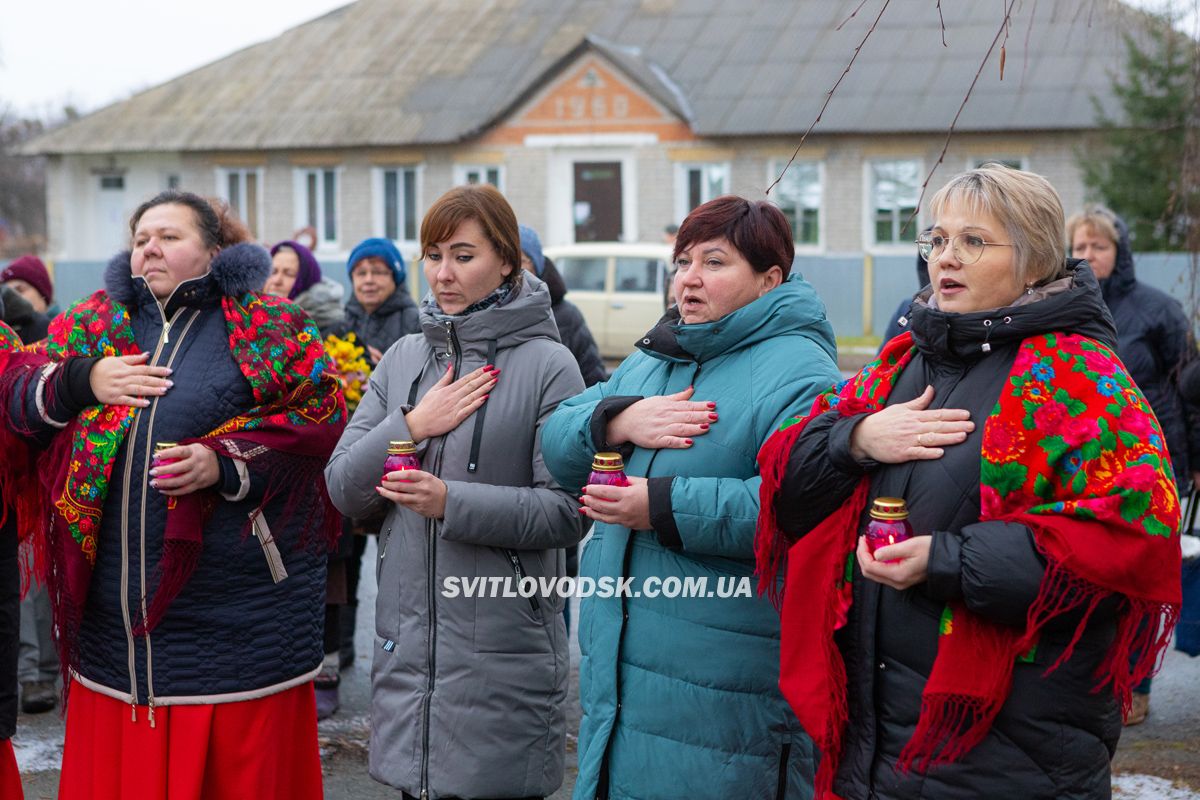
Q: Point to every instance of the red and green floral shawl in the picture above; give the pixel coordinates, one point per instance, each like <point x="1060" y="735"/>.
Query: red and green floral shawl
<point x="287" y="438"/>
<point x="1071" y="450"/>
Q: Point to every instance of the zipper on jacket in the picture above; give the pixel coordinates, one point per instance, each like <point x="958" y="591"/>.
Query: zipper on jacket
<point x="602" y="782"/>
<point x="452" y="351"/>
<point x="145" y="488"/>
<point x="514" y="558"/>
<point x="128" y="477"/>
<point x="781" y="786"/>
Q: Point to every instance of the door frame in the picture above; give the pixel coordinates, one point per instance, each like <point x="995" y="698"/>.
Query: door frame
<point x="560" y="190"/>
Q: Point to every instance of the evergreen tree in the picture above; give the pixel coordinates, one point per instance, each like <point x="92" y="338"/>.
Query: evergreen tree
<point x="1141" y="174"/>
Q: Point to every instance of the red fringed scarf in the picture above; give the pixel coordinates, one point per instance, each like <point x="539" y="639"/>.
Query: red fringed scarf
<point x="1071" y="450"/>
<point x="287" y="437"/>
<point x="19" y="488"/>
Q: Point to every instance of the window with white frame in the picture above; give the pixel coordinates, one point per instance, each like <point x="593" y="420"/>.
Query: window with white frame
<point x="399" y="218"/>
<point x="479" y="173"/>
<point x="1016" y="162"/>
<point x="316" y="203"/>
<point x="240" y="188"/>
<point x="895" y="188"/>
<point x="698" y="183"/>
<point x="798" y="195"/>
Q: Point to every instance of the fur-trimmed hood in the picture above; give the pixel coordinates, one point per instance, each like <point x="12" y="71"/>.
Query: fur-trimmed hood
<point x="236" y="270"/>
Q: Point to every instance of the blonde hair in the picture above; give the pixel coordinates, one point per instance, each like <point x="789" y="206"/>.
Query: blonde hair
<point x="1099" y="219"/>
<point x="1025" y="204"/>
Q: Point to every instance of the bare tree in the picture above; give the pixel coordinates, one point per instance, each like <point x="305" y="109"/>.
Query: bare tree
<point x="22" y="188"/>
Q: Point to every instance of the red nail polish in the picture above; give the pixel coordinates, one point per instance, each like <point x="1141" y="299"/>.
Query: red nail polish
<point x="583" y="490"/>
<point x="488" y="368"/>
<point x="703" y="426"/>
<point x="713" y="417"/>
<point x="486" y="396"/>
<point x="688" y="442"/>
<point x="712" y="405"/>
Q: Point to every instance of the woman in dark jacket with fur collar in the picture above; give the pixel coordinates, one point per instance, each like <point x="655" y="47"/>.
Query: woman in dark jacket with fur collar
<point x="1153" y="342"/>
<point x="965" y="661"/>
<point x="189" y="526"/>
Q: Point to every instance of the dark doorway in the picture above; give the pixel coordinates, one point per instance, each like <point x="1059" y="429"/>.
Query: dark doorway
<point x="597" y="210"/>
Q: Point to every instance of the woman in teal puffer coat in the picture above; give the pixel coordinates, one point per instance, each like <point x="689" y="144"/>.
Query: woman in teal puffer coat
<point x="680" y="693"/>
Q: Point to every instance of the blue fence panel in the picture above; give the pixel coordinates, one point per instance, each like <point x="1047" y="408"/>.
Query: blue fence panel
<point x="839" y="280"/>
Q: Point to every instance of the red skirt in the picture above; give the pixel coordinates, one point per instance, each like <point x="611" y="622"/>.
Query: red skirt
<point x="226" y="751"/>
<point x="10" y="777"/>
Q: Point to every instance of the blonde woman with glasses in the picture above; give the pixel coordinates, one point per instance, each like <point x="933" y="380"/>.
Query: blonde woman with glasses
<point x="964" y="661"/>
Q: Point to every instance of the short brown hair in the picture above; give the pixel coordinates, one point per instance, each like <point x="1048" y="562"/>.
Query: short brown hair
<point x="758" y="230"/>
<point x="1025" y="204"/>
<point x="484" y="204"/>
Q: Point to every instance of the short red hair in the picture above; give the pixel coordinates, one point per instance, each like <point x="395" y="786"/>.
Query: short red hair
<point x="757" y="229"/>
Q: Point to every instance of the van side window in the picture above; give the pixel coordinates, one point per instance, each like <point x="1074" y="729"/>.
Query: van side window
<point x="638" y="275"/>
<point x="583" y="274"/>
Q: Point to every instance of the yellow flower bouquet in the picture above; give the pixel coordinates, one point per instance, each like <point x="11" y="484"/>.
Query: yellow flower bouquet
<point x="351" y="368"/>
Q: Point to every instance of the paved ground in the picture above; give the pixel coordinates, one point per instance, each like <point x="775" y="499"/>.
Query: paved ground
<point x="1159" y="760"/>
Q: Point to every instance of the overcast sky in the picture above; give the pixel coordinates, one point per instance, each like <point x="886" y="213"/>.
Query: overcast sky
<point x="89" y="54"/>
<point x="55" y="52"/>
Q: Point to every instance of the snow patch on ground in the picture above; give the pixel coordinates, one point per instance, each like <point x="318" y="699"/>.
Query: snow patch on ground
<point x="38" y="753"/>
<point x="1148" y="787"/>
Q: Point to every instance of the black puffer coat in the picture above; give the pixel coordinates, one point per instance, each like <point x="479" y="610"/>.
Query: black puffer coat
<point x="397" y="316"/>
<point x="1152" y="341"/>
<point x="573" y="328"/>
<point x="18" y="314"/>
<point x="240" y="628"/>
<point x="1054" y="737"/>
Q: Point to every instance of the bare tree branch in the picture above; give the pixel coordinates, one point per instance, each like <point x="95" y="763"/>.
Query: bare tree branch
<point x="853" y="14"/>
<point x="941" y="22"/>
<point x="1002" y="33"/>
<point x="829" y="94"/>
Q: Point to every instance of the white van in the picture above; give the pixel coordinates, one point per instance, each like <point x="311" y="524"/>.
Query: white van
<point x="619" y="287"/>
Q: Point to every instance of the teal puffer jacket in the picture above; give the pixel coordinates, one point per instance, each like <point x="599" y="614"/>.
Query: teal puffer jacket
<point x="680" y="694"/>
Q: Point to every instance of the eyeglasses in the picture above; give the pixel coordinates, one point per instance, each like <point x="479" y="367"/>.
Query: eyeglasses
<point x="968" y="247"/>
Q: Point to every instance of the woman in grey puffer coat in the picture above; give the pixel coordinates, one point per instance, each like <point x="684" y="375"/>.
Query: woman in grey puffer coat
<point x="467" y="691"/>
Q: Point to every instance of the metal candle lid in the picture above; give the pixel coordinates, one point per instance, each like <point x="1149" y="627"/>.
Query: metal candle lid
<point x="608" y="462"/>
<point x="889" y="508"/>
<point x="160" y="446"/>
<point x="401" y="448"/>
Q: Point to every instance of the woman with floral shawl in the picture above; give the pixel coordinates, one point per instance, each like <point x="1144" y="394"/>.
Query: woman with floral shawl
<point x="989" y="655"/>
<point x="187" y="418"/>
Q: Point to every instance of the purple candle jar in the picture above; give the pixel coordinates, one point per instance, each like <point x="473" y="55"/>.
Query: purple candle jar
<point x="401" y="456"/>
<point x="608" y="469"/>
<point x="889" y="523"/>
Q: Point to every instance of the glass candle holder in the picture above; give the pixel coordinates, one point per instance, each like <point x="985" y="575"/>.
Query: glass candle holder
<point x="608" y="469"/>
<point x="401" y="456"/>
<point x="889" y="523"/>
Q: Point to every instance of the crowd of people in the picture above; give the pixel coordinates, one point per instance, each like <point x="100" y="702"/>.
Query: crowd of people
<point x="191" y="472"/>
